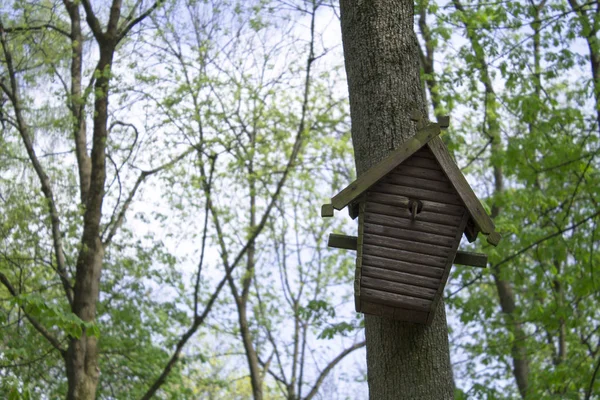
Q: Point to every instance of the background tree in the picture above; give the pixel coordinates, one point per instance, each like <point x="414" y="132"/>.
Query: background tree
<point x="255" y="123"/>
<point x="200" y="96"/>
<point x="529" y="136"/>
<point x="206" y="105"/>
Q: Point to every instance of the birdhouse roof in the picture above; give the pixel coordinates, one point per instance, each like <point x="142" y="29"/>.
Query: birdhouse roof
<point x="427" y="136"/>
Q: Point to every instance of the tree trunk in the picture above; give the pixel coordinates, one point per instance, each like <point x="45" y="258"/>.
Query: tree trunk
<point x="404" y="360"/>
<point x="82" y="366"/>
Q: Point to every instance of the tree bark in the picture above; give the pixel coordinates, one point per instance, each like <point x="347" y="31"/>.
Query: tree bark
<point x="83" y="371"/>
<point x="404" y="360"/>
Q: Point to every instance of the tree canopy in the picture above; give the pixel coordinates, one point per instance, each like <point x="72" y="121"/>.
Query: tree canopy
<point x="162" y="165"/>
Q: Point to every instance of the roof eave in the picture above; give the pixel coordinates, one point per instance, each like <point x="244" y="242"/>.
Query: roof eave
<point x="374" y="174"/>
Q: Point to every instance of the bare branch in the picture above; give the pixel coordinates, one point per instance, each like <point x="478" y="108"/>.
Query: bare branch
<point x="330" y="366"/>
<point x="115" y="223"/>
<point x="124" y="30"/>
<point x="14" y="29"/>
<point x="547" y="237"/>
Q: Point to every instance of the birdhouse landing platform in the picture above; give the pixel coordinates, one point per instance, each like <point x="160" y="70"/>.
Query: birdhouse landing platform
<point x="412" y="209"/>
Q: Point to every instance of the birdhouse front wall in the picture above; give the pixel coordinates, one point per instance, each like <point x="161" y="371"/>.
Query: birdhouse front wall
<point x="410" y="225"/>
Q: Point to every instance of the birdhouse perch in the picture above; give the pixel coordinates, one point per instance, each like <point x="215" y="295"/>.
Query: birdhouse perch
<point x="413" y="208"/>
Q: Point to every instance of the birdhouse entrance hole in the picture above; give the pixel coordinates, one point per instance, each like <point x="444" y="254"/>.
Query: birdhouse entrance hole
<point x="415" y="207"/>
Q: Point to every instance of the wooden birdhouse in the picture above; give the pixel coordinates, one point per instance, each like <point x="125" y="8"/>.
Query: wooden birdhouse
<point x="412" y="208"/>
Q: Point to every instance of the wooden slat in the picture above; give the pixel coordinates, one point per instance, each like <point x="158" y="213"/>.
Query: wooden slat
<point x="401" y="255"/>
<point x="369" y="178"/>
<point x="417" y="172"/>
<point x="401" y="277"/>
<point x="476" y="210"/>
<point x="419" y="183"/>
<point x="326" y="211"/>
<point x="396" y="287"/>
<point x="444" y="121"/>
<point x="403" y="201"/>
<point x="359" y="252"/>
<point x="420" y="162"/>
<point x="400" y="314"/>
<point x="401" y="266"/>
<point x="409" y="245"/>
<point x="397" y="222"/>
<point x="409" y="234"/>
<point x="403" y="212"/>
<point x="494" y="238"/>
<point x="417" y="194"/>
<point x="447" y="268"/>
<point x="471" y="259"/>
<point x="394" y="299"/>
<point x="342" y="241"/>
<point x="424" y="152"/>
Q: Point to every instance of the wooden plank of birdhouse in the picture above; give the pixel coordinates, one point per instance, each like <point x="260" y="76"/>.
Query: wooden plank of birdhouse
<point x="419" y="183"/>
<point x="417" y="258"/>
<point x="422" y="162"/>
<point x="471" y="259"/>
<point x="402" y="277"/>
<point x="326" y="211"/>
<point x="398" y="288"/>
<point x="394" y="299"/>
<point x="424" y="152"/>
<point x="361" y="227"/>
<point x="435" y="175"/>
<point x="409" y="234"/>
<point x="404" y="212"/>
<point x="443" y="121"/>
<point x="428" y="227"/>
<point x="420" y="194"/>
<point x="448" y="266"/>
<point x="494" y="238"/>
<point x="403" y="202"/>
<point x="357" y="276"/>
<point x="401" y="266"/>
<point x="369" y="178"/>
<point x="342" y="241"/>
<point x="359" y="248"/>
<point x="396" y="313"/>
<point x="478" y="213"/>
<point x="409" y="245"/>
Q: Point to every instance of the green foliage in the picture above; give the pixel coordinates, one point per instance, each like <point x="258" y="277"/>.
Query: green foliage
<point x="225" y="81"/>
<point x="519" y="85"/>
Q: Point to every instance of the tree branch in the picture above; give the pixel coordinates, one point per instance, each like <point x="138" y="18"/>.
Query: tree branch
<point x="13" y="94"/>
<point x="14" y="29"/>
<point x="38" y="327"/>
<point x="589" y="391"/>
<point x="115" y="224"/>
<point x="92" y="21"/>
<point x="330" y="366"/>
<point x="548" y="237"/>
<point x="124" y="30"/>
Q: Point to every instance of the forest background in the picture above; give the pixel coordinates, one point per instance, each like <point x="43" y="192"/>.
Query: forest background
<point x="162" y="165"/>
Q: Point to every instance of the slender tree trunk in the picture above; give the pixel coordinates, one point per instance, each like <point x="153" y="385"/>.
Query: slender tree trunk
<point x="405" y="361"/>
<point x="75" y="103"/>
<point x="241" y="299"/>
<point x="83" y="371"/>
